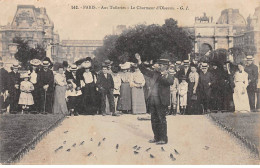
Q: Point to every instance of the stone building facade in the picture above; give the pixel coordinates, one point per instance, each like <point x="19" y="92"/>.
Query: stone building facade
<point x="31" y="24"/>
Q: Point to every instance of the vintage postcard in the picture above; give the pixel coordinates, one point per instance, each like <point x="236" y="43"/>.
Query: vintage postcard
<point x="129" y="82"/>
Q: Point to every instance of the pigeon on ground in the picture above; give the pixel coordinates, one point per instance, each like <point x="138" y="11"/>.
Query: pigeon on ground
<point x="162" y="149"/>
<point x="135" y="152"/>
<point x="59" y="148"/>
<point x="117" y="146"/>
<point x="82" y="143"/>
<point x="91" y="139"/>
<point x="172" y="157"/>
<point x="138" y="148"/>
<point x="134" y="147"/>
<point x="90" y="153"/>
<point x="64" y="142"/>
<point x="176" y="152"/>
<point x="206" y="147"/>
<point x="74" y="145"/>
<point x="147" y="149"/>
<point x="104" y="139"/>
<point x="99" y="143"/>
<point x="68" y="150"/>
<point x="151" y="156"/>
<point x="66" y="132"/>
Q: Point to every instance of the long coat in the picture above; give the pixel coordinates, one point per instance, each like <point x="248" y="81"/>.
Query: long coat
<point x="46" y="78"/>
<point x="163" y="84"/>
<point x="252" y="71"/>
<point x="205" y="88"/>
<point x="3" y="80"/>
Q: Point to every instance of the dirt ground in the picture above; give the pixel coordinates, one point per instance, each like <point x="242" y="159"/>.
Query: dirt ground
<point x="196" y="138"/>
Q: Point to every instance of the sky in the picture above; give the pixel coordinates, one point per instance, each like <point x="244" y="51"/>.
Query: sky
<point x="94" y="24"/>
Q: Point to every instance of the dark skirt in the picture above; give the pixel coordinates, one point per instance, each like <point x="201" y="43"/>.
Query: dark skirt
<point x="89" y="105"/>
<point x="194" y="106"/>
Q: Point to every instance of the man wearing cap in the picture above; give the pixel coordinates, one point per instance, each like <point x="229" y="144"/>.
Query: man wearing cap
<point x="252" y="71"/>
<point x="205" y="81"/>
<point x="45" y="80"/>
<point x="158" y="98"/>
<point x="13" y="88"/>
<point x="3" y="86"/>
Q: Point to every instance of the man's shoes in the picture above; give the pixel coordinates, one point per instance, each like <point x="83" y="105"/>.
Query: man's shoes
<point x="161" y="142"/>
<point x="114" y="114"/>
<point x="152" y="141"/>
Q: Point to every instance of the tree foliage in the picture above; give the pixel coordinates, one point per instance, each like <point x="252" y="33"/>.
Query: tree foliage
<point x="150" y="41"/>
<point x="26" y="53"/>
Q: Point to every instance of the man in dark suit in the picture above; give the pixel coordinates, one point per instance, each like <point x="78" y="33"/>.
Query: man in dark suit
<point x="105" y="86"/>
<point x="206" y="80"/>
<point x="158" y="98"/>
<point x="252" y="71"/>
<point x="46" y="88"/>
<point x="184" y="71"/>
<point x="13" y="88"/>
<point x="3" y="86"/>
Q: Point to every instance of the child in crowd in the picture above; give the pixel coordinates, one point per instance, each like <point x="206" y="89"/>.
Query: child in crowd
<point x="183" y="90"/>
<point x="26" y="88"/>
<point x="72" y="97"/>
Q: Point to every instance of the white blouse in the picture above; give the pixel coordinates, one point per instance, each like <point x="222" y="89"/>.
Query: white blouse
<point x="88" y="78"/>
<point x="125" y="76"/>
<point x="60" y="79"/>
<point x="33" y="77"/>
<point x="241" y="77"/>
<point x="137" y="79"/>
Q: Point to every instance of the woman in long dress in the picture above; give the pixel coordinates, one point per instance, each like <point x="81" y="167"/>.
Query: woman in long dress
<point x="137" y="83"/>
<point x="193" y="81"/>
<point x="124" y="103"/>
<point x="89" y="89"/>
<point x="59" y="105"/>
<point x="240" y="95"/>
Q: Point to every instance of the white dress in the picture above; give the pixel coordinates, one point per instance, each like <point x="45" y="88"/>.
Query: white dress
<point x="183" y="90"/>
<point x="240" y="96"/>
<point x="26" y="97"/>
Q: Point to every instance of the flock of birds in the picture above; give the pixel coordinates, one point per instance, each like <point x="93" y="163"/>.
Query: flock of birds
<point x="136" y="149"/>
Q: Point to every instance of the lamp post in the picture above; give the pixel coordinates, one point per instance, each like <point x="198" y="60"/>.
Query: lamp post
<point x="13" y="49"/>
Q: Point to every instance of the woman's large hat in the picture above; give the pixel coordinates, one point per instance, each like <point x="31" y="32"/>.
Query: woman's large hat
<point x="35" y="62"/>
<point x="126" y="65"/>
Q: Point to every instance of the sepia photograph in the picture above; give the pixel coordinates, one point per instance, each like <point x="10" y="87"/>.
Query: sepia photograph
<point x="129" y="82"/>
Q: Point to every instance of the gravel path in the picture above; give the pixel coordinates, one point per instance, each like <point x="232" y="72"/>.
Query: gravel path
<point x="187" y="134"/>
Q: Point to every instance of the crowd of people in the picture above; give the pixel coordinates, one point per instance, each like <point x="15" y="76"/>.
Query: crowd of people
<point x="196" y="87"/>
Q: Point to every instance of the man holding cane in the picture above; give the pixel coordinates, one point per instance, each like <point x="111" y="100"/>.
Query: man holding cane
<point x="46" y="85"/>
<point x="158" y="98"/>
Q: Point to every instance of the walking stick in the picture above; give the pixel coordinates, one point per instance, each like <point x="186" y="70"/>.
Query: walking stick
<point x="44" y="101"/>
<point x="178" y="102"/>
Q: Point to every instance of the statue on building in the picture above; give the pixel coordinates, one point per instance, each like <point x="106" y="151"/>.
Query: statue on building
<point x="204" y="19"/>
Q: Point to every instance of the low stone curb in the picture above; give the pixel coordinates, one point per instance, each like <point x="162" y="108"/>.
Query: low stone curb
<point x="31" y="145"/>
<point x="252" y="147"/>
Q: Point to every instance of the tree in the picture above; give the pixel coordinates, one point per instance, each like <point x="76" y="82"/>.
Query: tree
<point x="151" y="42"/>
<point x="26" y="53"/>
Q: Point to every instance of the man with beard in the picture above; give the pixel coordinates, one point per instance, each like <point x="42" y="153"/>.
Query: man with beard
<point x="158" y="98"/>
